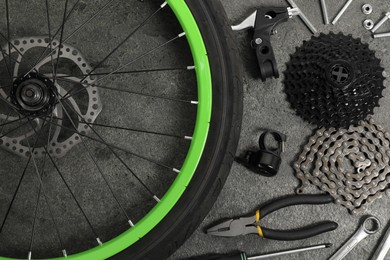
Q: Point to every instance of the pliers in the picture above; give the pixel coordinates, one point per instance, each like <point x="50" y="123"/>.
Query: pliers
<point x="251" y="225"/>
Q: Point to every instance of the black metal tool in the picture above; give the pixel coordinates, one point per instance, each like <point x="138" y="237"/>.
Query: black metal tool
<point x="251" y="225"/>
<point x="264" y="21"/>
<point x="266" y="161"/>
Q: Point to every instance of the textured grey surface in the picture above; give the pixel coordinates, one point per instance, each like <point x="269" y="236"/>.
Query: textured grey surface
<point x="265" y="107"/>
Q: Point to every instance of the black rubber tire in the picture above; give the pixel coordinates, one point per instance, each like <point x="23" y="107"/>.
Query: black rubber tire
<point x="221" y="145"/>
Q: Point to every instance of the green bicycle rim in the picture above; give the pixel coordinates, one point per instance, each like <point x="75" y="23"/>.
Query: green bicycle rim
<point x="203" y="74"/>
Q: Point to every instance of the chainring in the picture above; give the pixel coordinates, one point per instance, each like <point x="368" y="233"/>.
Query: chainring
<point x="334" y="80"/>
<point x="351" y="165"/>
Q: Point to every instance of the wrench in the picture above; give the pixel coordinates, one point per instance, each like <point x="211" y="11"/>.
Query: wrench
<point x="383" y="248"/>
<point x="359" y="235"/>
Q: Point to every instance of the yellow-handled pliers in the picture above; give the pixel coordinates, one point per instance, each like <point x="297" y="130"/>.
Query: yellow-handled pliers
<point x="251" y="225"/>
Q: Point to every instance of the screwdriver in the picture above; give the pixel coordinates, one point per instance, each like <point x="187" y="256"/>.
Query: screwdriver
<point x="243" y="256"/>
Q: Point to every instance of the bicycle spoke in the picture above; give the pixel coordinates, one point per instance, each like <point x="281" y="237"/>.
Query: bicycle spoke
<point x="101" y="141"/>
<point x="126" y="72"/>
<point x="41" y="189"/>
<point x="18" y="186"/>
<point x="77" y="30"/>
<point x="8" y="29"/>
<point x="7" y="65"/>
<point x="70" y="191"/>
<point x="34" y="221"/>
<point x="142" y="56"/>
<point x="116" y="155"/>
<point x="138" y="130"/>
<point x="8" y="103"/>
<point x="16" y="49"/>
<point x="49" y="29"/>
<point x="68" y="95"/>
<point x="11" y="122"/>
<point x="52" y="38"/>
<point x="99" y="169"/>
<point x="125" y="40"/>
<point x="61" y="42"/>
<point x="5" y="120"/>
<point x="13" y="130"/>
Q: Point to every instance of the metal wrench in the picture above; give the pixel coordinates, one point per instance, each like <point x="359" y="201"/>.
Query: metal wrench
<point x="383" y="248"/>
<point x="359" y="235"/>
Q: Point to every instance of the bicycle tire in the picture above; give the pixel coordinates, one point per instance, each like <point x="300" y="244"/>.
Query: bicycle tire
<point x="218" y="156"/>
<point x="198" y="181"/>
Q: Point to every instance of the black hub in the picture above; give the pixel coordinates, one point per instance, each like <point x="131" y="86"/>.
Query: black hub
<point x="340" y="73"/>
<point x="334" y="80"/>
<point x="34" y="94"/>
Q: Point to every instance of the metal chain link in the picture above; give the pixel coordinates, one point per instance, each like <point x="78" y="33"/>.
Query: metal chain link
<point x="351" y="165"/>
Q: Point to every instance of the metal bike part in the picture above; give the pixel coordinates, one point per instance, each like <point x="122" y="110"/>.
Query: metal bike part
<point x="367" y="9"/>
<point x="368" y="24"/>
<point x="326" y="89"/>
<point x="303" y="17"/>
<point x="381" y="22"/>
<point x="382" y="35"/>
<point x="264" y="21"/>
<point x="383" y="248"/>
<point x="248" y="23"/>
<point x="265" y="161"/>
<point x="363" y="232"/>
<point x="351" y="165"/>
<point x="342" y="11"/>
<point x="87" y="103"/>
<point x="324" y="12"/>
<point x="289" y="252"/>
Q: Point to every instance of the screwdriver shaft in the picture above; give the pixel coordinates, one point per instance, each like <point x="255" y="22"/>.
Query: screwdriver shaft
<point x="293" y="251"/>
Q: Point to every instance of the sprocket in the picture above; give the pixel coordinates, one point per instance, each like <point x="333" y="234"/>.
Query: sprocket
<point x="334" y="80"/>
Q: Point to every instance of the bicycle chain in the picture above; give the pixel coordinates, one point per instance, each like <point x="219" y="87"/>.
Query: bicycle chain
<point x="352" y="165"/>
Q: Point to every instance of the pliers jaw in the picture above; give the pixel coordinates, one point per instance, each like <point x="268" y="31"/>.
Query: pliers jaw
<point x="235" y="227"/>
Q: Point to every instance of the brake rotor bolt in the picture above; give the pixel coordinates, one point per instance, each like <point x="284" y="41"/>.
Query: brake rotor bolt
<point x="368" y="24"/>
<point x="258" y="41"/>
<point x="367" y="9"/>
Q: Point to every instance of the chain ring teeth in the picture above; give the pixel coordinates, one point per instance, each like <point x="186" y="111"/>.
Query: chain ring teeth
<point x="327" y="79"/>
<point x="351" y="165"/>
<point x="57" y="148"/>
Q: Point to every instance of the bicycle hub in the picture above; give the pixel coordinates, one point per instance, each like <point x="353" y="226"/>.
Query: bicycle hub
<point x="34" y="94"/>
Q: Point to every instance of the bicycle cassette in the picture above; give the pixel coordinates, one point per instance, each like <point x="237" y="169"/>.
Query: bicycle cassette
<point x="334" y="80"/>
<point x="352" y="165"/>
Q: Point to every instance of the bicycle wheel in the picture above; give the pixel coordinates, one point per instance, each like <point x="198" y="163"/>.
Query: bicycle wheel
<point x="119" y="122"/>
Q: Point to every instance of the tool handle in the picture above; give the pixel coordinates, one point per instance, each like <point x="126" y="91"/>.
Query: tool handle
<point x="303" y="233"/>
<point x="294" y="200"/>
<point x="238" y="256"/>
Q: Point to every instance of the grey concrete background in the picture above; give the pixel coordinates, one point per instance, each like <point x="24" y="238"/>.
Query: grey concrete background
<point x="265" y="107"/>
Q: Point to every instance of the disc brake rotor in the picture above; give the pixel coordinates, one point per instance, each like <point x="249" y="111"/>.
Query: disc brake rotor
<point x="352" y="165"/>
<point x="81" y="98"/>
